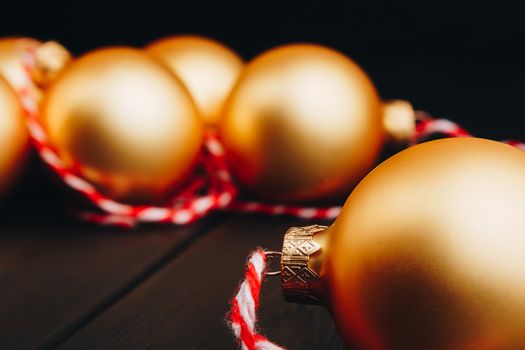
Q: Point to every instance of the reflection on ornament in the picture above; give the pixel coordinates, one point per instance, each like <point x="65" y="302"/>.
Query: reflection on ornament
<point x="426" y="254"/>
<point x="13" y="136"/>
<point x="125" y="122"/>
<point x="207" y="68"/>
<point x="304" y="123"/>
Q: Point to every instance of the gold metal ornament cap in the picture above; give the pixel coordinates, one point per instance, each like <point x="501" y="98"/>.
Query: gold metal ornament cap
<point x="298" y="276"/>
<point x="50" y="59"/>
<point x="399" y="120"/>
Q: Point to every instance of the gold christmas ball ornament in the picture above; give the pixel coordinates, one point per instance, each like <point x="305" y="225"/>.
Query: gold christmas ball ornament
<point x="13" y="136"/>
<point x="303" y="123"/>
<point x="207" y="68"/>
<point x="126" y="122"/>
<point x="426" y="254"/>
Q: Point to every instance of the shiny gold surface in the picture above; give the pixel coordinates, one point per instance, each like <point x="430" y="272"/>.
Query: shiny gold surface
<point x="428" y="252"/>
<point x="304" y="123"/>
<point x="206" y="67"/>
<point x="11" y="68"/>
<point x="126" y="121"/>
<point x="13" y="136"/>
<point x="299" y="276"/>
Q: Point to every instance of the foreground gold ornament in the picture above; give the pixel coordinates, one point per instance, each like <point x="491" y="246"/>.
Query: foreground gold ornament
<point x="426" y="254"/>
<point x="206" y="67"/>
<point x="303" y="123"/>
<point x="13" y="136"/>
<point x="126" y="122"/>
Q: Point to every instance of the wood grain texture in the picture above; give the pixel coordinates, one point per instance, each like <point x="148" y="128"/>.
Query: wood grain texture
<point x="56" y="275"/>
<point x="183" y="306"/>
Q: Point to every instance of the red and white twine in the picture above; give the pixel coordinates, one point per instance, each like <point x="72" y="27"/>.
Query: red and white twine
<point x="213" y="190"/>
<point x="243" y="314"/>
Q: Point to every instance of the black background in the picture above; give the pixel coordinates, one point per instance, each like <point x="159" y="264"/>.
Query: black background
<point x="372" y="30"/>
<point x="454" y="59"/>
<point x="459" y="60"/>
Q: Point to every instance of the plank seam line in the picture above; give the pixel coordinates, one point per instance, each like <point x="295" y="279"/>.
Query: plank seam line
<point x="69" y="330"/>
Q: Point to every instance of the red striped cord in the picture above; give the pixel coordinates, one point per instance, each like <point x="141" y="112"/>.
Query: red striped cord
<point x="210" y="191"/>
<point x="243" y="313"/>
<point x="216" y="183"/>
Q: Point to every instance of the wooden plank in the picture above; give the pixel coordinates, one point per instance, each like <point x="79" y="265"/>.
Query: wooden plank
<point x="184" y="305"/>
<point x="57" y="275"/>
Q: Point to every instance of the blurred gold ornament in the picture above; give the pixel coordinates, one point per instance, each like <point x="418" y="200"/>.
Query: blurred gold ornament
<point x="427" y="252"/>
<point x="126" y="122"/>
<point x="13" y="136"/>
<point x="303" y="123"/>
<point x="207" y="68"/>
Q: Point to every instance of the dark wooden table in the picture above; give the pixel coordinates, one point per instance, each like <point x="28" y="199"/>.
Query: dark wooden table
<point x="69" y="286"/>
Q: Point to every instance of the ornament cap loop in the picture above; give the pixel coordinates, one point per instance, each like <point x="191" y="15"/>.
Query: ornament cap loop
<point x="297" y="274"/>
<point x="272" y="255"/>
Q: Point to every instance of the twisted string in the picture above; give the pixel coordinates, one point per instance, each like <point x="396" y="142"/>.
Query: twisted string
<point x="242" y="317"/>
<point x="210" y="190"/>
